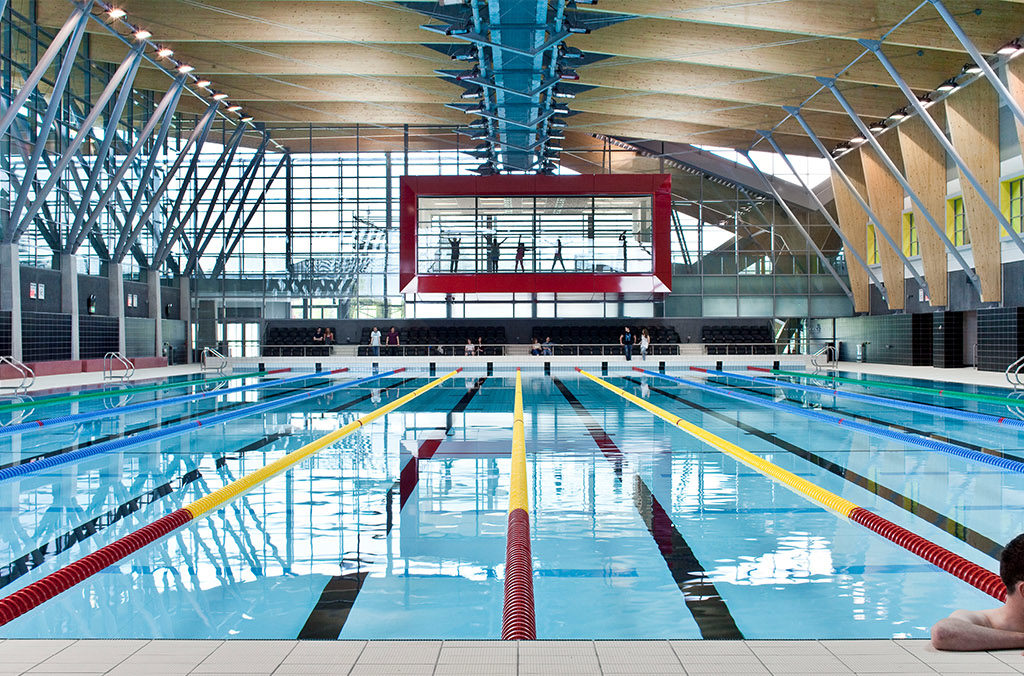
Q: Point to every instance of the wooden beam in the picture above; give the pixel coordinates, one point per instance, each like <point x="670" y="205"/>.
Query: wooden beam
<point x="973" y="116"/>
<point x="702" y="111"/>
<point x="991" y="26"/>
<point x="853" y="223"/>
<point x="740" y="85"/>
<point x="885" y="196"/>
<point x="924" y="162"/>
<point x="1015" y="82"/>
<point x="765" y="52"/>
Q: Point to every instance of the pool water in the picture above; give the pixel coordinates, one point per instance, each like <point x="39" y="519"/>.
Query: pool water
<point x="398" y="530"/>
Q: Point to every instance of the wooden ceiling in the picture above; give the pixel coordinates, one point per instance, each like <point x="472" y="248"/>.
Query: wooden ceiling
<point x="692" y="71"/>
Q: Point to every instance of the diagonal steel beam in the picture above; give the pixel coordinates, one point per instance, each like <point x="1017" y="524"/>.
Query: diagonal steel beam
<point x="170" y="97"/>
<point x="72" y="28"/>
<point x="226" y="252"/>
<point x="768" y="136"/>
<point x="879" y="228"/>
<point x="75" y="234"/>
<point x="875" y="47"/>
<point x="800" y="228"/>
<point x="227" y="155"/>
<point x="126" y="72"/>
<point x="830" y="84"/>
<point x="979" y="60"/>
<point x="221" y="182"/>
<point x="244" y="181"/>
<point x="43" y="131"/>
<point x="147" y="172"/>
<point x="125" y="242"/>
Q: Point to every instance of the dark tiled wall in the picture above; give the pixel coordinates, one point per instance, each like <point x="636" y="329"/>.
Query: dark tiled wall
<point x="947" y="339"/>
<point x="50" y="280"/>
<point x="45" y="336"/>
<point x="96" y="336"/>
<point x="1000" y="337"/>
<point x="890" y="338"/>
<point x="5" y="333"/>
<point x="921" y="340"/>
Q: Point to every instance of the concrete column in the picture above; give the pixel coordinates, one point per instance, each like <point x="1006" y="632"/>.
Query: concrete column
<point x="156" y="310"/>
<point x="116" y="281"/>
<point x="185" y="313"/>
<point x="10" y="293"/>
<point x="69" y="298"/>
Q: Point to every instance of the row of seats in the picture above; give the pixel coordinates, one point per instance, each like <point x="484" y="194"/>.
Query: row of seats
<point x="738" y="339"/>
<point x="422" y="341"/>
<point x="295" y="341"/>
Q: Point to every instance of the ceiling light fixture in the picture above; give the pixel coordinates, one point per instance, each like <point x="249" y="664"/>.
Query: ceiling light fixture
<point x="568" y="74"/>
<point x="219" y="96"/>
<point x="947" y="86"/>
<point x="142" y="34"/>
<point x="185" y="68"/>
<point x="234" y="108"/>
<point x="858" y="139"/>
<point x="115" y="13"/>
<point x="898" y="115"/>
<point x="925" y="100"/>
<point x="164" y="52"/>
<point x="204" y="83"/>
<point x="876" y="127"/>
<point x="245" y="118"/>
<point x="559" y="94"/>
<point x="559" y="109"/>
<point x="1009" y="49"/>
<point x="971" y="69"/>
<point x="557" y="123"/>
<point x="477" y="93"/>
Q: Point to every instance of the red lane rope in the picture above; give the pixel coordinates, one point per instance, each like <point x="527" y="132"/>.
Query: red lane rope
<point x="279" y="371"/>
<point x="517" y="620"/>
<point x="758" y="368"/>
<point x="968" y="571"/>
<point x="40" y="591"/>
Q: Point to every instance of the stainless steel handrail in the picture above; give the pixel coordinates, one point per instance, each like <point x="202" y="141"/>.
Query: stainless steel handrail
<point x="1012" y="373"/>
<point x="111" y="360"/>
<point x="28" y="376"/>
<point x="830" y="360"/>
<point x="205" y="363"/>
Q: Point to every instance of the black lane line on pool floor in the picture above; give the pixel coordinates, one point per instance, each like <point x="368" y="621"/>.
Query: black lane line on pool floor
<point x="327" y="619"/>
<point x="699" y="593"/>
<point x="410" y="474"/>
<point x="884" y="423"/>
<point x="958" y="530"/>
<point x="146" y="428"/>
<point x="80" y="533"/>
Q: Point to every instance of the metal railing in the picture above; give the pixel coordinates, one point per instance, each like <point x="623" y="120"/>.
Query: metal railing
<point x="514" y="349"/>
<point x="111" y="362"/>
<point x="831" y="355"/>
<point x="1012" y="373"/>
<point x="25" y="372"/>
<point x="212" y="360"/>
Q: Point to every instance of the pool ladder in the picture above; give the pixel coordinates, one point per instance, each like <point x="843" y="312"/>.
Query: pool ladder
<point x="25" y="372"/>
<point x="212" y="360"/>
<point x="112" y="361"/>
<point x="824" y="352"/>
<point x="1012" y="373"/>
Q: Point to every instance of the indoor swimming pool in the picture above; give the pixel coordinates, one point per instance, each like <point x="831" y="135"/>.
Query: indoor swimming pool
<point x="398" y="530"/>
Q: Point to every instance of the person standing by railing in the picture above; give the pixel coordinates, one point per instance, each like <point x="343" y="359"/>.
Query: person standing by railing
<point x="626" y="340"/>
<point x="375" y="342"/>
<point x="392" y="341"/>
<point x="645" y="344"/>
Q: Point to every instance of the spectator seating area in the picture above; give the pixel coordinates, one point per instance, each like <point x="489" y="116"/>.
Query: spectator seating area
<point x="421" y="341"/>
<point x="604" y="340"/>
<point x="738" y="339"/>
<point x="293" y="341"/>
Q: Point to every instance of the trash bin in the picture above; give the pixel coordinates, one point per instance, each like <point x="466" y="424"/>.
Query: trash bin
<point x="862" y="352"/>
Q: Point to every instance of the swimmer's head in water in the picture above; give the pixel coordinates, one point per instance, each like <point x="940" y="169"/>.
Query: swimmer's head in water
<point x="1011" y="563"/>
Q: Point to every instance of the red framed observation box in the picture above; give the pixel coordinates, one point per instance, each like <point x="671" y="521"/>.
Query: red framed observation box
<point x="591" y="233"/>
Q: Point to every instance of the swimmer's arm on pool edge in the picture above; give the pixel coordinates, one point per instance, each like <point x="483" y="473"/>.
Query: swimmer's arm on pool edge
<point x="971" y="630"/>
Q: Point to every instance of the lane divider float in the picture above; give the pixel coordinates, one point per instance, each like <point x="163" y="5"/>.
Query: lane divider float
<point x="15" y="471"/>
<point x="94" y="394"/>
<point x="62" y="420"/>
<point x="901" y="404"/>
<point x="59" y="581"/>
<point x="867" y="428"/>
<point x="953" y="394"/>
<point x="517" y="621"/>
<point x="968" y="571"/>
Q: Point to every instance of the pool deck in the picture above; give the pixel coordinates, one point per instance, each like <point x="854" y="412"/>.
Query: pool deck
<point x="494" y="658"/>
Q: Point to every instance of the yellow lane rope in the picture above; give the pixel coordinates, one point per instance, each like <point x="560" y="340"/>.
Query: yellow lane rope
<point x="517" y="498"/>
<point x="239" y="486"/>
<point x="802" y="486"/>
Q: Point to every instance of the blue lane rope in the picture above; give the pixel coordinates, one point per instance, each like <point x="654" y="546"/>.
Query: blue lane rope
<point x="874" y="430"/>
<point x="901" y="404"/>
<point x="9" y="473"/>
<point x="71" y="419"/>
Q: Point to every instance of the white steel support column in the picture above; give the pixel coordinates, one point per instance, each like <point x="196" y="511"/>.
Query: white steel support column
<point x="115" y="277"/>
<point x="185" y="313"/>
<point x="155" y="310"/>
<point x="69" y="298"/>
<point x="10" y="293"/>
